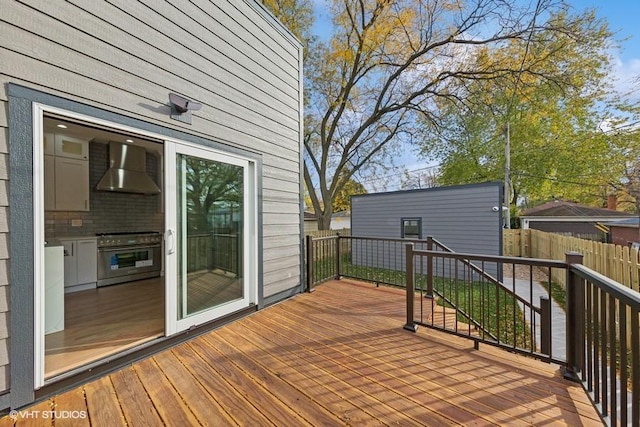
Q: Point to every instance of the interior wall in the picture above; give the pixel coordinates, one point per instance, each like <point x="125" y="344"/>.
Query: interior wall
<point x="110" y="211"/>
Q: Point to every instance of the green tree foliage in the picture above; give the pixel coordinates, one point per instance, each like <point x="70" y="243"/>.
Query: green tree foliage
<point x="625" y="141"/>
<point x="393" y="65"/>
<point x="214" y="193"/>
<point x="554" y="111"/>
<point x="296" y="15"/>
<point x="342" y="201"/>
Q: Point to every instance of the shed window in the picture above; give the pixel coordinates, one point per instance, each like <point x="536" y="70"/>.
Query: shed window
<point x="412" y="228"/>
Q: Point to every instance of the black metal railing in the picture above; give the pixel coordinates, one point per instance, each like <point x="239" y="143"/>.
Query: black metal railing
<point x="603" y="342"/>
<point x="464" y="293"/>
<point x="475" y="304"/>
<point x="592" y="329"/>
<point x="210" y="251"/>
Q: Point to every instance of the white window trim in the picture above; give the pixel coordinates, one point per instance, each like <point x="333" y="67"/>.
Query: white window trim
<point x="39" y="110"/>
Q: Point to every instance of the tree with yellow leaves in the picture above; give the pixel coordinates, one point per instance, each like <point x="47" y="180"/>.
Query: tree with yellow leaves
<point x="390" y="65"/>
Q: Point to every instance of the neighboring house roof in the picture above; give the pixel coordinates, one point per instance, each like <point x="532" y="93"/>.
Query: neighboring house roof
<point x="341" y="214"/>
<point x="310" y="216"/>
<point x="629" y="222"/>
<point x="559" y="208"/>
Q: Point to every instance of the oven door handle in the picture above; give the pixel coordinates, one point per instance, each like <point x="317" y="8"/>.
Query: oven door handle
<point x="171" y="241"/>
<point x="127" y="248"/>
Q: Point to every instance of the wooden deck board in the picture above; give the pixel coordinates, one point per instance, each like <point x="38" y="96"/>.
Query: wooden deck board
<point x="167" y="400"/>
<point x="337" y="368"/>
<point x="393" y="375"/>
<point x="299" y="375"/>
<point x="71" y="401"/>
<point x="201" y="403"/>
<point x="234" y="403"/>
<point x="138" y="410"/>
<point x="35" y="415"/>
<point x="102" y="403"/>
<point x="260" y="397"/>
<point x="338" y="356"/>
<point x="299" y="402"/>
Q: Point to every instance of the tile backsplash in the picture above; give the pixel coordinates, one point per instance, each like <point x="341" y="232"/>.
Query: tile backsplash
<point x="110" y="211"/>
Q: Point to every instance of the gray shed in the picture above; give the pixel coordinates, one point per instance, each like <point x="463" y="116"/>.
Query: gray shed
<point x="465" y="218"/>
<point x="150" y="151"/>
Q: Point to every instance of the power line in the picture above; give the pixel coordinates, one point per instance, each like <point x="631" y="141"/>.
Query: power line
<point x="396" y="175"/>
<point x="561" y="181"/>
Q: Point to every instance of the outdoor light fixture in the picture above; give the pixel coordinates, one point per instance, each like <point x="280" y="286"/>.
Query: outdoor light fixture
<point x="182" y="105"/>
<point x="181" y="108"/>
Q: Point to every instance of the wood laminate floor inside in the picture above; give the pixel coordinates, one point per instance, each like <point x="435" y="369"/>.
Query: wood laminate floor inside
<point x="104" y="321"/>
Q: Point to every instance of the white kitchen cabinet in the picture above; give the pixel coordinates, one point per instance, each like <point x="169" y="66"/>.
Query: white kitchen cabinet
<point x="80" y="262"/>
<point x="71" y="184"/>
<point x="70" y="263"/>
<point x="49" y="182"/>
<point x="53" y="289"/>
<point x="49" y="143"/>
<point x="66" y="173"/>
<point x="87" y="261"/>
<point x="70" y="147"/>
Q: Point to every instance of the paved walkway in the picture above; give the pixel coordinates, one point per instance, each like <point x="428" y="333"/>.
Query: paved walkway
<point x="532" y="293"/>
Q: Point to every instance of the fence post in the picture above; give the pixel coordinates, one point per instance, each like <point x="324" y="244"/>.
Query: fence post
<point x="410" y="326"/>
<point x="309" y="248"/>
<point x="429" y="268"/>
<point x="574" y="293"/>
<point x="545" y="325"/>
<point x="338" y="257"/>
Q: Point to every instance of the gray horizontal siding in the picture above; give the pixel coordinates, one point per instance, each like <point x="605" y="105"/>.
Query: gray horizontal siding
<point x="291" y="250"/>
<point x="460" y="217"/>
<point x="4" y="248"/>
<point x="3" y="114"/>
<point x="126" y="56"/>
<point x="87" y="78"/>
<point x="278" y="219"/>
<point x="272" y="244"/>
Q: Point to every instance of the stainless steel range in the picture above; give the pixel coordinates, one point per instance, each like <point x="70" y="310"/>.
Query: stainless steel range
<point x="124" y="257"/>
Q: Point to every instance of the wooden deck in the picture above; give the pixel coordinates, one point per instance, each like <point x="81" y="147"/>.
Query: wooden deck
<point x="338" y="356"/>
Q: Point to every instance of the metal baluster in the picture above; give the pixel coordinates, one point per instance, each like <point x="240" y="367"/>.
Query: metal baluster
<point x="612" y="361"/>
<point x="624" y="374"/>
<point x="603" y="352"/>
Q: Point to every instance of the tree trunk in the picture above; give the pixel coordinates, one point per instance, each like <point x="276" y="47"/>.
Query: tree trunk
<point x="324" y="221"/>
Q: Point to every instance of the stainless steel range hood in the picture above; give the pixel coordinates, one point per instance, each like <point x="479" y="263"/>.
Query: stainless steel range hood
<point x="127" y="171"/>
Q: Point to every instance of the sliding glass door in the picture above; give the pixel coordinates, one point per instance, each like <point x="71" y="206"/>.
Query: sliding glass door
<point x="210" y="208"/>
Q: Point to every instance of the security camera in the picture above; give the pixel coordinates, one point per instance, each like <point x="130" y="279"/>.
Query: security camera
<point x="495" y="209"/>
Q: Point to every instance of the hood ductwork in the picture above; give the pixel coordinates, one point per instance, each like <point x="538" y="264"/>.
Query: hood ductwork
<point x="127" y="171"/>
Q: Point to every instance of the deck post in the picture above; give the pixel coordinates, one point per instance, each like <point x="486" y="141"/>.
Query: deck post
<point x="309" y="248"/>
<point x="410" y="325"/>
<point x="545" y="325"/>
<point x="338" y="256"/>
<point x="429" y="268"/>
<point x="574" y="294"/>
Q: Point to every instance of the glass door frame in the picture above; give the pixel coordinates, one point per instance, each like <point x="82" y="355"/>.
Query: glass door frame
<point x="173" y="148"/>
<point x="39" y="110"/>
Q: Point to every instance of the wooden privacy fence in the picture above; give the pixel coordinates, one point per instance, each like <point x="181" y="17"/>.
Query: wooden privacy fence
<point x="328" y="233"/>
<point x="619" y="263"/>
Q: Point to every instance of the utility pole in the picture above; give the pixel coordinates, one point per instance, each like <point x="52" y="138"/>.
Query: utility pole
<point x="507" y="177"/>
